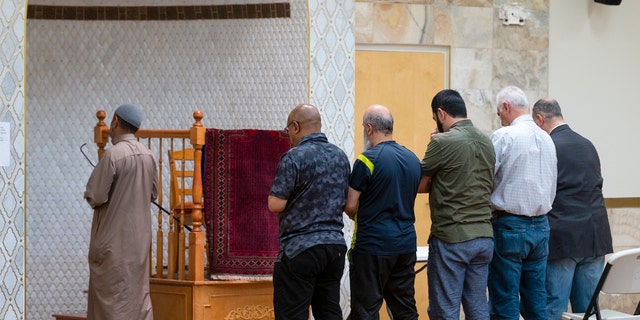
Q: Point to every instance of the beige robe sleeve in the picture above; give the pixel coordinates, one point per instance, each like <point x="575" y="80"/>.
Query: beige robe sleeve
<point x="99" y="184"/>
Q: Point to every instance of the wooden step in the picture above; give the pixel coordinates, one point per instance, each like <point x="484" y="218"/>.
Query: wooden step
<point x="75" y="316"/>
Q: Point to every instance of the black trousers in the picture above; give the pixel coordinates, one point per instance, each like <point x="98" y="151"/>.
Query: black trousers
<point x="388" y="277"/>
<point x="312" y="278"/>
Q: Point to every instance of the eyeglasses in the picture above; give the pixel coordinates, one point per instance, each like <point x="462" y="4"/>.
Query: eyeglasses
<point x="286" y="129"/>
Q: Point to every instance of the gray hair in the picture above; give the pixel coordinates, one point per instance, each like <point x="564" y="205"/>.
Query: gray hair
<point x="548" y="108"/>
<point x="514" y="96"/>
<point x="379" y="121"/>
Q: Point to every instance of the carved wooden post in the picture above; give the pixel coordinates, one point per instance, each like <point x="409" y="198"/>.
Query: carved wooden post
<point x="101" y="132"/>
<point x="160" y="233"/>
<point x="196" y="237"/>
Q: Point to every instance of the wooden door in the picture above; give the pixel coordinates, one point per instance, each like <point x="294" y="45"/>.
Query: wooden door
<point x="405" y="81"/>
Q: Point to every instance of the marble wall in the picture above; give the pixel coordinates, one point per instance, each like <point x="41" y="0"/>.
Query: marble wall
<point x="486" y="55"/>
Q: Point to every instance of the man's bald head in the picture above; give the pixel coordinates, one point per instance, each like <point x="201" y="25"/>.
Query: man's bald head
<point x="307" y="116"/>
<point x="380" y="118"/>
<point x="303" y="120"/>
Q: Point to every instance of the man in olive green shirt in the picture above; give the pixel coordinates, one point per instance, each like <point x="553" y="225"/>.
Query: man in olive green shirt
<point x="457" y="171"/>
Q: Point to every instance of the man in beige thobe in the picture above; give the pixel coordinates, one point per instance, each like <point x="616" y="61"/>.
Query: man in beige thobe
<point x="120" y="191"/>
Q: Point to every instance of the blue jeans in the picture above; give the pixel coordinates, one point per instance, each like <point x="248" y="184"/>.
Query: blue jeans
<point x="517" y="272"/>
<point x="457" y="273"/>
<point x="572" y="279"/>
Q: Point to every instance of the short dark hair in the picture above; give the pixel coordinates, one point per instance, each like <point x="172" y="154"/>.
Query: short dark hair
<point x="451" y="102"/>
<point x="126" y="126"/>
<point x="548" y="108"/>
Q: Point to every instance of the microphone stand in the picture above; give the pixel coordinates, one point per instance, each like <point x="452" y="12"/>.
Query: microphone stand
<point x="157" y="205"/>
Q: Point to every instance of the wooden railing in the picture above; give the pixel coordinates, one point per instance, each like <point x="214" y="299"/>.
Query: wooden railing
<point x="159" y="140"/>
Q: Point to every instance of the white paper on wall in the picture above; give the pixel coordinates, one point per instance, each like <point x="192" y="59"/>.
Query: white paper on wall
<point x="5" y="152"/>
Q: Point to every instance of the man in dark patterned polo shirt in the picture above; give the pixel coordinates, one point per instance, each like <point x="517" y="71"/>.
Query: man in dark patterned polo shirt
<point x="309" y="193"/>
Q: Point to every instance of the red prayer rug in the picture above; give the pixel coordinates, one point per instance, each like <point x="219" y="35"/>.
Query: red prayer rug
<point x="238" y="169"/>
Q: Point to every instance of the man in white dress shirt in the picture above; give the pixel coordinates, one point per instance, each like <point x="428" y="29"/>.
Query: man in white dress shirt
<point x="524" y="190"/>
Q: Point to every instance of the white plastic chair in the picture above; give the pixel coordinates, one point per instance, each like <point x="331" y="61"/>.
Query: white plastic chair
<point x="621" y="275"/>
